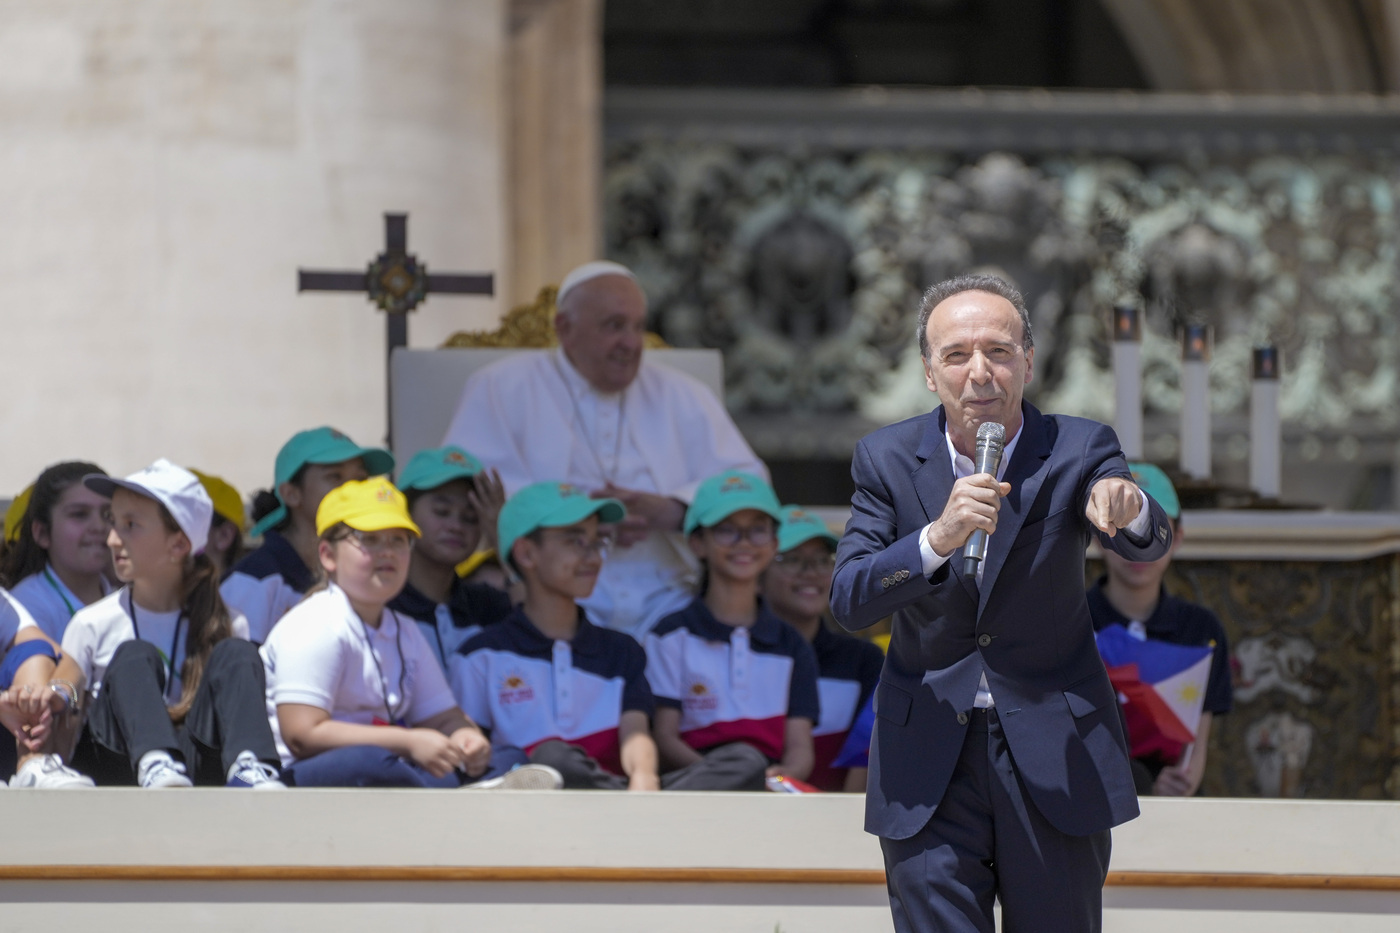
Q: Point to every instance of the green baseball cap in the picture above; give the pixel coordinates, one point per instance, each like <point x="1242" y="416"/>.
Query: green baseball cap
<point x="550" y="505"/>
<point x="318" y="445"/>
<point x="438" y="466"/>
<point x="798" y="526"/>
<point x="1153" y="480"/>
<point x="731" y="491"/>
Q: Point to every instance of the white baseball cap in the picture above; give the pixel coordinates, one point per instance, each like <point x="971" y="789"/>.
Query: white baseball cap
<point x="176" y="488"/>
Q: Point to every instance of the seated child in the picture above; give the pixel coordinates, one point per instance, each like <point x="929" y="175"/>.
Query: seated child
<point x="797" y="589"/>
<point x="57" y="562"/>
<point x="354" y="692"/>
<point x="729" y="676"/>
<point x="174" y="688"/>
<point x="230" y="522"/>
<point x="572" y="694"/>
<point x="36" y="710"/>
<point x="1131" y="594"/>
<point x="449" y="499"/>
<point x="274" y="577"/>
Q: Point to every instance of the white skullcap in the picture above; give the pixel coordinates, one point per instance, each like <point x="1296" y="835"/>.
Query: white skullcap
<point x="589" y="271"/>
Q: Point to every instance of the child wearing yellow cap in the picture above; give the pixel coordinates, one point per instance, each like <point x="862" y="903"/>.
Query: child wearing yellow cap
<point x="275" y="576"/>
<point x="57" y="562"/>
<point x="453" y="500"/>
<point x="230" y="521"/>
<point x="726" y="672"/>
<point x="355" y="694"/>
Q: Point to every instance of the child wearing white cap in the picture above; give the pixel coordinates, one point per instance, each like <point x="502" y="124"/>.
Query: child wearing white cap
<point x="173" y="690"/>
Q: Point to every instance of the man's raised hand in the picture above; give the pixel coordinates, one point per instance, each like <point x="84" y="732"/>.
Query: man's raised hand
<point x="1113" y="503"/>
<point x="972" y="504"/>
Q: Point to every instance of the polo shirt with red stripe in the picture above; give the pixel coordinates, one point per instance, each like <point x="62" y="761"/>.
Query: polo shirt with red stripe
<point x="732" y="684"/>
<point x="526" y="688"/>
<point x="848" y="670"/>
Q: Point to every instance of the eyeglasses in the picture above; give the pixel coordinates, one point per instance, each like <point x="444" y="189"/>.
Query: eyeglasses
<point x="791" y="563"/>
<point x="727" y="535"/>
<point x="379" y="542"/>
<point x="584" y="547"/>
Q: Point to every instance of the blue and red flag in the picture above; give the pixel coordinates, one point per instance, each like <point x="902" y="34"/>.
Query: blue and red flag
<point x="855" y="752"/>
<point x="1162" y="687"/>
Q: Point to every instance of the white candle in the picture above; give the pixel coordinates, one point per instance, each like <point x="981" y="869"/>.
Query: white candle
<point x="1265" y="430"/>
<point x="1127" y="380"/>
<point x="1195" y="402"/>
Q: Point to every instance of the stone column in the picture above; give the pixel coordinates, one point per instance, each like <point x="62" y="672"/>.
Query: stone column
<point x="555" y="77"/>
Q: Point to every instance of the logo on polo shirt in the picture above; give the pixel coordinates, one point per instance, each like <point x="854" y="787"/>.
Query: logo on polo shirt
<point x="699" y="696"/>
<point x="515" y="689"/>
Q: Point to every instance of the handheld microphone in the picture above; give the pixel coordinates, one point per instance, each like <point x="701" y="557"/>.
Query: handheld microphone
<point x="991" y="440"/>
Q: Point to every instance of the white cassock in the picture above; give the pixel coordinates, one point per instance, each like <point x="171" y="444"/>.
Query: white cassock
<point x="535" y="419"/>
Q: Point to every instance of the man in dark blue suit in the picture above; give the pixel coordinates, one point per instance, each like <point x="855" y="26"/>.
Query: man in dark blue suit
<point x="998" y="763"/>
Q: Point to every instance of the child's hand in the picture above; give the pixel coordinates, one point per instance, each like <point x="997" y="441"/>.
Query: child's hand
<point x="434" y="752"/>
<point x="487" y="495"/>
<point x="1173" y="781"/>
<point x="476" y="750"/>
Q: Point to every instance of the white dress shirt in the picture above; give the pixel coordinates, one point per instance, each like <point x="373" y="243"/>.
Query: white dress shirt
<point x="963" y="467"/>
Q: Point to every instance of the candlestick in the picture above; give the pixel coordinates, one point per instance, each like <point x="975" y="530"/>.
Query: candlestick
<point x="1265" y="429"/>
<point x="1195" y="401"/>
<point x="1127" y="379"/>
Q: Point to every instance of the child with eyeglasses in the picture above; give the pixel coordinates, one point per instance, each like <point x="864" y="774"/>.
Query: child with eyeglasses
<point x="730" y="676"/>
<point x="355" y="696"/>
<point x="797" y="588"/>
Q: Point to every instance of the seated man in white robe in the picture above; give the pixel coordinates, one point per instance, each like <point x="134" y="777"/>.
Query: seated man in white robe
<point x="596" y="413"/>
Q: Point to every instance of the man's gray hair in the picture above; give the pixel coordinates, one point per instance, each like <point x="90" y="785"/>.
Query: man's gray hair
<point x="973" y="282"/>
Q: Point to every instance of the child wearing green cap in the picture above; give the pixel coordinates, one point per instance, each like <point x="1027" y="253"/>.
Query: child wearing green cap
<point x="451" y="499"/>
<point x="572" y="694"/>
<point x="1131" y="594"/>
<point x="726" y="672"/>
<point x="275" y="576"/>
<point x="797" y="588"/>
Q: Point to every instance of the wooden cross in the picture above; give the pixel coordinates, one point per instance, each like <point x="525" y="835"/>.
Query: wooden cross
<point x="397" y="282"/>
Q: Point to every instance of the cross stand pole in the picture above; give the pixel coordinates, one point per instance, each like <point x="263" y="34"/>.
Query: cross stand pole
<point x="397" y="282"/>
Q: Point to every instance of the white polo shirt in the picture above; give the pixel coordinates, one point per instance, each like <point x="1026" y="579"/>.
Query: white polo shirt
<point x="97" y="631"/>
<point x="13" y="617"/>
<point x="322" y="654"/>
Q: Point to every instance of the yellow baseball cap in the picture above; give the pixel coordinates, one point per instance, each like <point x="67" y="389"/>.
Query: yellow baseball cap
<point x="365" y="505"/>
<point x="227" y="501"/>
<point x="14" y="515"/>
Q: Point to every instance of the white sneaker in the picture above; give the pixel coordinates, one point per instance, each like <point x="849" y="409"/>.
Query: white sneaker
<point x="49" y="773"/>
<point x="248" y="771"/>
<point x="523" y="777"/>
<point x="158" y="769"/>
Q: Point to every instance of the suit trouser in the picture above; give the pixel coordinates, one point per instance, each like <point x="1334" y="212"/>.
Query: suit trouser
<point x="735" y="766"/>
<point x="129" y="717"/>
<point x="986" y="841"/>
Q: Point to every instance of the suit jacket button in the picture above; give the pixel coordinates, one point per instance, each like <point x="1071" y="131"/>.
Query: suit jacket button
<point x="984" y="640"/>
<point x="962" y="719"/>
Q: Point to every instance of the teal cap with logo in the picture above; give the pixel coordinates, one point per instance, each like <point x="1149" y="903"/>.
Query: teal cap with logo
<point x="1153" y="480"/>
<point x="317" y="445"/>
<point x="798" y="526"/>
<point x="550" y="505"/>
<point x="438" y="466"/>
<point x="731" y="491"/>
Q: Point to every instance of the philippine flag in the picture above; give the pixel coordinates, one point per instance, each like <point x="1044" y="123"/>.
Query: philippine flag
<point x="1162" y="687"/>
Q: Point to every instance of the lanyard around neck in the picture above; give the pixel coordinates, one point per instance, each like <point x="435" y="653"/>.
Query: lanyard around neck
<point x="174" y="638"/>
<point x="59" y="590"/>
<point x="603" y="473"/>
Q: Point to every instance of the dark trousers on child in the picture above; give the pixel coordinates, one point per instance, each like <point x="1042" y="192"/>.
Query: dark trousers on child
<point x="129" y="717"/>
<point x="735" y="766"/>
<point x="372" y="766"/>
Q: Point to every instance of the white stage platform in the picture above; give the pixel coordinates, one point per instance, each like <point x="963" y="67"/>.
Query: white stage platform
<point x="115" y="860"/>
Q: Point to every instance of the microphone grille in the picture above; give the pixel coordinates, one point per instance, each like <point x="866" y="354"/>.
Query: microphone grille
<point x="991" y="432"/>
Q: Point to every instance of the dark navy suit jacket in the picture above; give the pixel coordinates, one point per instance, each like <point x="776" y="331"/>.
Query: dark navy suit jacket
<point x="1028" y="623"/>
